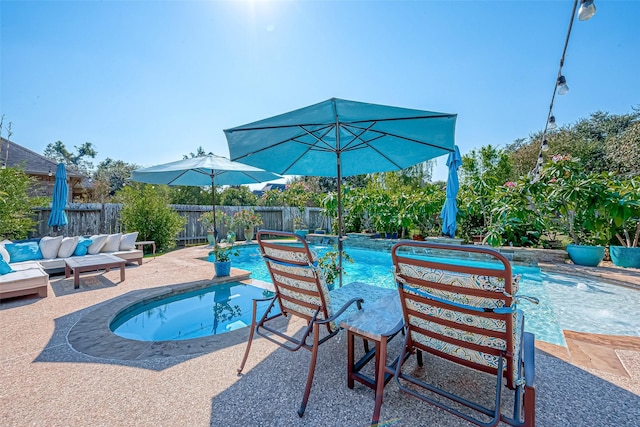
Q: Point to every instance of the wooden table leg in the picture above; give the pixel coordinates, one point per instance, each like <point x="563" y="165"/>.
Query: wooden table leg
<point x="76" y="278"/>
<point x="67" y="271"/>
<point x="122" y="272"/>
<point x="381" y="367"/>
<point x="350" y="357"/>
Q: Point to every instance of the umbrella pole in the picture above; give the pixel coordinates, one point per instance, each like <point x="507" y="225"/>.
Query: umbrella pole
<point x="213" y="204"/>
<point x="339" y="174"/>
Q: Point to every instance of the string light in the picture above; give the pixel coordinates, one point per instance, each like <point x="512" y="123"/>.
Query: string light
<point x="563" y="89"/>
<point x="587" y="10"/>
<point x="545" y="145"/>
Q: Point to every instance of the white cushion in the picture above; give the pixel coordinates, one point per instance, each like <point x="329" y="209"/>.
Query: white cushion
<point x="67" y="247"/>
<point x="112" y="244"/>
<point x="3" y="251"/>
<point x="98" y="242"/>
<point x="49" y="246"/>
<point x="128" y="241"/>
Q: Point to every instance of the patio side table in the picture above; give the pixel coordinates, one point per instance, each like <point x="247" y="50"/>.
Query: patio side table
<point x="378" y="322"/>
<point x="140" y="245"/>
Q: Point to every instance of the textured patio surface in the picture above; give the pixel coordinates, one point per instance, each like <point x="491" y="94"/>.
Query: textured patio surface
<point x="59" y="367"/>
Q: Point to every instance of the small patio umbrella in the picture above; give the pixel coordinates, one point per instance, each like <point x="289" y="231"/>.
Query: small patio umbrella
<point x="342" y="138"/>
<point x="203" y="171"/>
<point x="58" y="217"/>
<point x="450" y="208"/>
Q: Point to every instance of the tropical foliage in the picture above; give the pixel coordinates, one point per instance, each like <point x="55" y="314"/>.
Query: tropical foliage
<point x="206" y="219"/>
<point x="329" y="265"/>
<point x="246" y="219"/>
<point x="223" y="252"/>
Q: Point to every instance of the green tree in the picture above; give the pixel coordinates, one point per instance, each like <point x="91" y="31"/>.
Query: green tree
<point x="237" y="196"/>
<point x="199" y="153"/>
<point x="601" y="141"/>
<point x="16" y="215"/>
<point x="79" y="160"/>
<point x="481" y="173"/>
<point x="145" y="208"/>
<point x="190" y="195"/>
<point x="110" y="177"/>
<point x="623" y="154"/>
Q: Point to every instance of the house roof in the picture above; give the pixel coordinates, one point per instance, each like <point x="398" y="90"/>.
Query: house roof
<point x="15" y="155"/>
<point x="272" y="186"/>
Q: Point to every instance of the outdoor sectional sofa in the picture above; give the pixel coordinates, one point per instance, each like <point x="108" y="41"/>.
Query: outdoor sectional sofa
<point x="31" y="262"/>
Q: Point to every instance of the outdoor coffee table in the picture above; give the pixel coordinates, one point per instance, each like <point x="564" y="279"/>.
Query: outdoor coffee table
<point x="379" y="322"/>
<point x="92" y="263"/>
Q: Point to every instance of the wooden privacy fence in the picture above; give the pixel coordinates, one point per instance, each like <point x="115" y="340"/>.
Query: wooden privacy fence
<point x="87" y="219"/>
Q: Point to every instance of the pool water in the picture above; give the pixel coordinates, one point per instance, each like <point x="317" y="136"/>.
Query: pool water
<point x="566" y="302"/>
<point x="209" y="311"/>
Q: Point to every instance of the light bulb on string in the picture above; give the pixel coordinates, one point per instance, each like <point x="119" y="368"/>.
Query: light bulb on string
<point x="562" y="85"/>
<point x="545" y="145"/>
<point x="540" y="160"/>
<point x="587" y="10"/>
<point x="552" y="123"/>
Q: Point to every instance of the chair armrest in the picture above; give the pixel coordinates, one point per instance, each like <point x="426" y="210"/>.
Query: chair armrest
<point x="263" y="299"/>
<point x="349" y="303"/>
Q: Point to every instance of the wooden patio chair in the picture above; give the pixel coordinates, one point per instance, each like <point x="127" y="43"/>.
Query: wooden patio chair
<point x="301" y="292"/>
<point x="467" y="315"/>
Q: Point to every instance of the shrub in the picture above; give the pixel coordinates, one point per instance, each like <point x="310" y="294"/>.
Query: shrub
<point x="146" y="209"/>
<point x="16" y="215"/>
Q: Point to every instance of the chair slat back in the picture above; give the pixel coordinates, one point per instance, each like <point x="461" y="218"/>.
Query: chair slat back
<point x="295" y="275"/>
<point x="461" y="312"/>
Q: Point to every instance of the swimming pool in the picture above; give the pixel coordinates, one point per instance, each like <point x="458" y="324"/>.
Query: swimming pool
<point x="566" y="302"/>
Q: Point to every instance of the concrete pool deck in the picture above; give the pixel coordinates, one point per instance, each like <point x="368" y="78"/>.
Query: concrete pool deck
<point x="52" y="375"/>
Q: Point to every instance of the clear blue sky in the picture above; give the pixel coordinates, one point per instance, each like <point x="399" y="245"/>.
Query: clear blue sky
<point x="148" y="81"/>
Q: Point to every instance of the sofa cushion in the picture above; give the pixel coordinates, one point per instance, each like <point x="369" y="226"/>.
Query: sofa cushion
<point x="82" y="246"/>
<point x="67" y="247"/>
<point x="24" y="282"/>
<point x="128" y="241"/>
<point x="3" y="251"/>
<point x="112" y="243"/>
<point x="49" y="246"/>
<point x="5" y="267"/>
<point x="98" y="242"/>
<point x="23" y="251"/>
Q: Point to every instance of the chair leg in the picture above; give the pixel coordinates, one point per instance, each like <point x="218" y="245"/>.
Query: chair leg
<point x="312" y="369"/>
<point x="529" y="406"/>
<point x="253" y="329"/>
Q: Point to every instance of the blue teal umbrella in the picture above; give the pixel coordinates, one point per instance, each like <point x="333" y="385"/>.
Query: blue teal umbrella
<point x="203" y="171"/>
<point x="342" y="138"/>
<point x="450" y="208"/>
<point x="58" y="217"/>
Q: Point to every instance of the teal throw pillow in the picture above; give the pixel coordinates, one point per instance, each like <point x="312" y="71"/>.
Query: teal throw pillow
<point x="4" y="267"/>
<point x="83" y="245"/>
<point x="27" y="251"/>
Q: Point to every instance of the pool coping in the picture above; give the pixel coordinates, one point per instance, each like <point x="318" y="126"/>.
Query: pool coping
<point x="92" y="334"/>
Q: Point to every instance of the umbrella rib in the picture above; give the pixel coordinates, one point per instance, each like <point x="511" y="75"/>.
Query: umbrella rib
<point x="293" y="138"/>
<point x="382" y="134"/>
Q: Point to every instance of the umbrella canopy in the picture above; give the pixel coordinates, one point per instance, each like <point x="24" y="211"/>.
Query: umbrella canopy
<point x="202" y="171"/>
<point x="58" y="217"/>
<point x="343" y="138"/>
<point x="450" y="208"/>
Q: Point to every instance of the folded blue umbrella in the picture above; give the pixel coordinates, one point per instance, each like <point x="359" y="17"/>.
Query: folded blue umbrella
<point x="450" y="209"/>
<point x="58" y="217"/>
